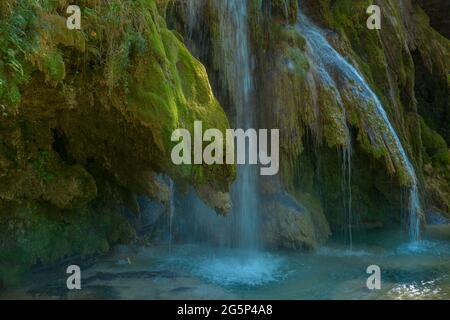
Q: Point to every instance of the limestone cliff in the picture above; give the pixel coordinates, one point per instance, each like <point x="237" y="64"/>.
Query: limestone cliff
<point x="86" y="121"/>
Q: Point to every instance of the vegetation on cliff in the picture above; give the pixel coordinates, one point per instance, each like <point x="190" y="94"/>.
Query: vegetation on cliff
<point x="86" y="121"/>
<point x="397" y="62"/>
<point x="86" y="118"/>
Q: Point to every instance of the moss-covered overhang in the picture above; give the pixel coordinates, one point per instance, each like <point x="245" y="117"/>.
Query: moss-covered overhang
<point x="120" y="86"/>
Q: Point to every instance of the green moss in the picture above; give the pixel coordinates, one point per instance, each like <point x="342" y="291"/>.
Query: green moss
<point x="333" y="119"/>
<point x="53" y="66"/>
<point x="295" y="63"/>
<point x="114" y="93"/>
<point x="349" y="19"/>
<point x="40" y="234"/>
<point x="12" y="45"/>
<point x="171" y="91"/>
<point x="41" y="166"/>
<point x="30" y="33"/>
<point x="291" y="45"/>
<point x="140" y="59"/>
<point x="436" y="149"/>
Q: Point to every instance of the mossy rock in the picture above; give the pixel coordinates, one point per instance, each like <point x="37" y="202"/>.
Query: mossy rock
<point x="35" y="234"/>
<point x="436" y="149"/>
<point x="86" y="118"/>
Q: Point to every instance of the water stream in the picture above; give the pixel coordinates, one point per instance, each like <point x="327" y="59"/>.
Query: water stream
<point x="232" y="261"/>
<point x="237" y="76"/>
<point x="240" y="231"/>
<point x="333" y="68"/>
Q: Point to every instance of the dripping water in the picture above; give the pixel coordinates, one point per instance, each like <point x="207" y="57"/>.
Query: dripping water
<point x="193" y="11"/>
<point x="347" y="190"/>
<point x="328" y="63"/>
<point x="233" y="60"/>
<point x="286" y="11"/>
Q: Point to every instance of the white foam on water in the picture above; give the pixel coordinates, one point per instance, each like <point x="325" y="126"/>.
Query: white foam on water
<point x="416" y="290"/>
<point x="228" y="267"/>
<point x="334" y="252"/>
<point x="252" y="270"/>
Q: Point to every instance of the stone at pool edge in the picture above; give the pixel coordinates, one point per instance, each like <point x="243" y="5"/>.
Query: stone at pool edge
<point x="437" y="232"/>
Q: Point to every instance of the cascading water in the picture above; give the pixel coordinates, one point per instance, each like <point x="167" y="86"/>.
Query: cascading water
<point x="346" y="160"/>
<point x="235" y="258"/>
<point x="237" y="76"/>
<point x="286" y="11"/>
<point x="234" y="63"/>
<point x="329" y="64"/>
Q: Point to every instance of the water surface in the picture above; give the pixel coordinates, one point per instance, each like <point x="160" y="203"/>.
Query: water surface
<point x="192" y="271"/>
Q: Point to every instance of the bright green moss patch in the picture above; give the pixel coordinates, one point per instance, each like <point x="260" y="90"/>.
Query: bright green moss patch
<point x="170" y="90"/>
<point x="87" y="119"/>
<point x="128" y="49"/>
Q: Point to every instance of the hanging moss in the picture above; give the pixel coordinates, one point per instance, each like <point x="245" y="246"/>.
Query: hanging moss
<point x="86" y="120"/>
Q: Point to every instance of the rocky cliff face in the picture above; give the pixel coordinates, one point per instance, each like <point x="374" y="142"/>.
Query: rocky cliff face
<point x="86" y="122"/>
<point x="436" y="11"/>
<point x="405" y="61"/>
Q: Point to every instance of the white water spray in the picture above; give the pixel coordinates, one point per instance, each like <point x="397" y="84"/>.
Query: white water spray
<point x="237" y="76"/>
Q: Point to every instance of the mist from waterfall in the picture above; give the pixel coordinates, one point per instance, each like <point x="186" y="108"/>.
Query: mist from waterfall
<point x="332" y="69"/>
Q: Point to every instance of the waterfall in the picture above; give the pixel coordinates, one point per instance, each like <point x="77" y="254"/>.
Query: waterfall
<point x="233" y="60"/>
<point x="332" y="69"/>
<point x="346" y="161"/>
<point x="236" y="67"/>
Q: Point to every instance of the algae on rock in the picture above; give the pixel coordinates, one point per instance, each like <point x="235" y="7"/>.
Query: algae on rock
<point x="86" y="123"/>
